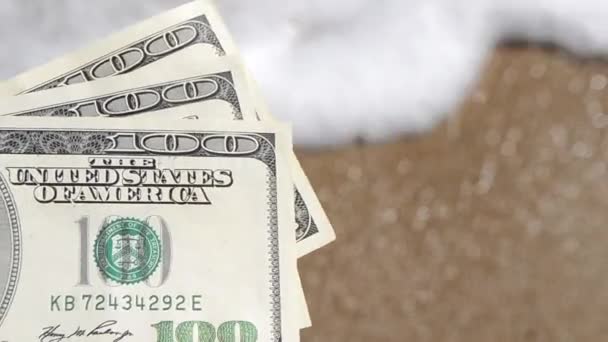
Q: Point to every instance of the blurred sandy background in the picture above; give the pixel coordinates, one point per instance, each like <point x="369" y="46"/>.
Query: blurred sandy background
<point x="492" y="228"/>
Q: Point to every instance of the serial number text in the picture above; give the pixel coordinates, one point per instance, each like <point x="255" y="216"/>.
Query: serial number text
<point x="110" y="302"/>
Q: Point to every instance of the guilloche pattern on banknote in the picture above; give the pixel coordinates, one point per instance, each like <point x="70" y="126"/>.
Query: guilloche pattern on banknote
<point x="140" y="53"/>
<point x="307" y="226"/>
<point x="166" y="95"/>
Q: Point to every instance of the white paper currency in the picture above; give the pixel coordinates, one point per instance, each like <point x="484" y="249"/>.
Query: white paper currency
<point x="145" y="232"/>
<point x="180" y="90"/>
<point x="154" y="49"/>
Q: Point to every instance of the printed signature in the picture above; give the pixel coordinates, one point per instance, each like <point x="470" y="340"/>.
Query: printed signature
<point x="107" y="328"/>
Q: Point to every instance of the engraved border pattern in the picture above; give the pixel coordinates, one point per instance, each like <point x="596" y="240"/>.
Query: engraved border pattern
<point x="275" y="274"/>
<point x="8" y="295"/>
<point x="307" y="226"/>
<point x="205" y="31"/>
<point x="226" y="92"/>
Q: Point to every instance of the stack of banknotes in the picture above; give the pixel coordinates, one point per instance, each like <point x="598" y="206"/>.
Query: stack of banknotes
<point x="147" y="194"/>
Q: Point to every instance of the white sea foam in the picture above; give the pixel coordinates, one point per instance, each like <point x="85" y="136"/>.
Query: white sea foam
<point x="340" y="70"/>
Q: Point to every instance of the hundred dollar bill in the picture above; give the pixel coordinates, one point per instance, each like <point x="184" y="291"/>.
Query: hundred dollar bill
<point x="196" y="24"/>
<point x="186" y="90"/>
<point x="169" y="90"/>
<point x="145" y="231"/>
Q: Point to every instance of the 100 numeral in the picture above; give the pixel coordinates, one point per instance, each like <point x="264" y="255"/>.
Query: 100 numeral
<point x="226" y="332"/>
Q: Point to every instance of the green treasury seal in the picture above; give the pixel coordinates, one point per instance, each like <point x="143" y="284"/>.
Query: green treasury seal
<point x="127" y="251"/>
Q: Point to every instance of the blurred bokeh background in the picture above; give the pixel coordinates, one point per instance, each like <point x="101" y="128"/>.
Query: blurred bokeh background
<point x="493" y="227"/>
